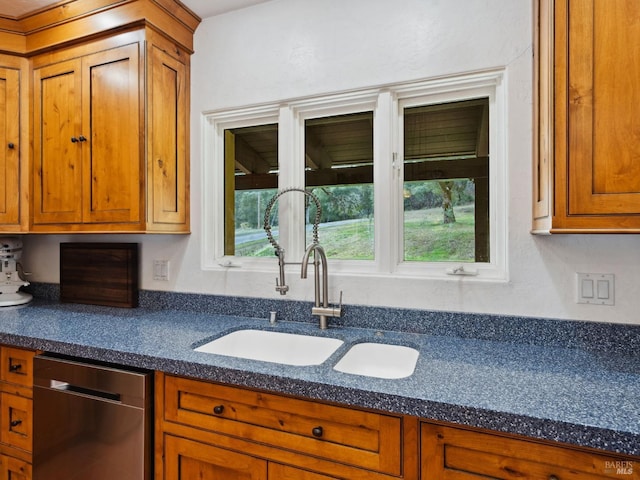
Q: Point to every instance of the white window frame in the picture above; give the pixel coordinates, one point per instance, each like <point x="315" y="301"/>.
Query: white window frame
<point x="387" y="103"/>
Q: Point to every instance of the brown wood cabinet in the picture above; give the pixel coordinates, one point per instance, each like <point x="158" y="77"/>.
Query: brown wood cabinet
<point x="13" y="143"/>
<point x="213" y="431"/>
<point x="110" y="150"/>
<point x="16" y="413"/>
<point x="109" y="116"/>
<point x="449" y="453"/>
<point x="88" y="165"/>
<point x="587" y="158"/>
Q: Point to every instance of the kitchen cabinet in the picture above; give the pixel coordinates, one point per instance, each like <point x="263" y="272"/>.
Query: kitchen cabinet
<point x="214" y="431"/>
<point x="16" y="413"/>
<point x="110" y="150"/>
<point x="14" y="469"/>
<point x="97" y="140"/>
<point x="13" y="144"/>
<point x="88" y="165"/>
<point x="587" y="147"/>
<point x="461" y="454"/>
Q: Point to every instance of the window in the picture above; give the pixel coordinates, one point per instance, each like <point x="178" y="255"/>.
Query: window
<point x="250" y="181"/>
<point x="339" y="172"/>
<point x="410" y="179"/>
<point x="446" y="182"/>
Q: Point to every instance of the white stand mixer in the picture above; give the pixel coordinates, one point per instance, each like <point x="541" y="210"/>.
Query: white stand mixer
<point x="12" y="274"/>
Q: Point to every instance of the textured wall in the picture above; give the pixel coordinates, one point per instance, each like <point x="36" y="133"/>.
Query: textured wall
<point x="286" y="49"/>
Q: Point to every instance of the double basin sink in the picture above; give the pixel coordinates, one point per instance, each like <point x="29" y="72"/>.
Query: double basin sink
<point x="370" y="359"/>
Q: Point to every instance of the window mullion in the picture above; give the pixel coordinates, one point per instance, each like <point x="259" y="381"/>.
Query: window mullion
<point x="385" y="205"/>
<point x="291" y="175"/>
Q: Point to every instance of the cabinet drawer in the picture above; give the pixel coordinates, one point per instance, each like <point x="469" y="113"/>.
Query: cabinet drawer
<point x="14" y="469"/>
<point x="452" y="453"/>
<point x="16" y="366"/>
<point x="16" y="417"/>
<point x="353" y="437"/>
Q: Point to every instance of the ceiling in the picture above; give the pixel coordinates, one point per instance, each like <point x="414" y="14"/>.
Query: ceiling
<point x="339" y="149"/>
<point x="203" y="8"/>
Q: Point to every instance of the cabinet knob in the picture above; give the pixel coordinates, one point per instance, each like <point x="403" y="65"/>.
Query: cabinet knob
<point x="218" y="409"/>
<point x="317" y="432"/>
<point x="15" y="367"/>
<point x="553" y="477"/>
<point x="74" y="140"/>
<point x="11" y="145"/>
<point x="82" y="138"/>
<point x="15" y="423"/>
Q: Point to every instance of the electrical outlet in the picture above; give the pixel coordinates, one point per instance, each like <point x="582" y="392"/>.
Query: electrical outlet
<point x="595" y="288"/>
<point x="161" y="270"/>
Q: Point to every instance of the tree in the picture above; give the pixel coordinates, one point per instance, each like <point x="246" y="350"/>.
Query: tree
<point x="447" y="201"/>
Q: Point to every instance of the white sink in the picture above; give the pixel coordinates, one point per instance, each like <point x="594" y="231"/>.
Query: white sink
<point x="276" y="347"/>
<point x="379" y="360"/>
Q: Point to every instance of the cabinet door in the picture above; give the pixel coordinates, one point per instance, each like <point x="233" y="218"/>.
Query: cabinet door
<point x="458" y="454"/>
<point x="57" y="151"/>
<point x="14" y="469"/>
<point x="168" y="170"/>
<point x="603" y="96"/>
<point x="187" y="460"/>
<point x="9" y="145"/>
<point x="16" y="421"/>
<point x="587" y="145"/>
<point x="112" y="153"/>
<point x="16" y="366"/>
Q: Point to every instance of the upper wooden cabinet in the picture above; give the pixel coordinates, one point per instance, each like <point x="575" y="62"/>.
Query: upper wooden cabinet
<point x="14" y="144"/>
<point x="587" y="159"/>
<point x="87" y="153"/>
<point x="110" y="119"/>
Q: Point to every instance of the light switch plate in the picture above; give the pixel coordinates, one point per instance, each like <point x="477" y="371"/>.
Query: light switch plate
<point x="595" y="288"/>
<point x="161" y="270"/>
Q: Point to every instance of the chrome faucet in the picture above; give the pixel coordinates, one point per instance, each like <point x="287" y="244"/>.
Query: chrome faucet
<point x="321" y="306"/>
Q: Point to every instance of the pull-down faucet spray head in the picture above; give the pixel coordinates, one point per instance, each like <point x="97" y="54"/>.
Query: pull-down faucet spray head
<point x="281" y="285"/>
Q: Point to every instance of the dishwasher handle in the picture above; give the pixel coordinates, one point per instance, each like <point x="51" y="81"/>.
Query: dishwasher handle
<point x="87" y="392"/>
<point x="107" y="382"/>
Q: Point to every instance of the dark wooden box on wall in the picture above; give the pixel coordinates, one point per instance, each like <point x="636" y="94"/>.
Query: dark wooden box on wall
<point x="99" y="274"/>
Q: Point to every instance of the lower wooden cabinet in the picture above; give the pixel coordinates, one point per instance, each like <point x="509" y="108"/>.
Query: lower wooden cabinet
<point x="449" y="453"/>
<point x="14" y="469"/>
<point x="187" y="459"/>
<point x="16" y="413"/>
<point x="211" y="431"/>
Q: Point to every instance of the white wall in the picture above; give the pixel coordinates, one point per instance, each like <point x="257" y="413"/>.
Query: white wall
<point x="285" y="49"/>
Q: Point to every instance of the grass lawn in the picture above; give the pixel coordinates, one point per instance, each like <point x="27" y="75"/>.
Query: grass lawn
<point x="426" y="238"/>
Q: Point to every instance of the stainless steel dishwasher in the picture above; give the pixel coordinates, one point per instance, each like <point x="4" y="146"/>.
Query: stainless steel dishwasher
<point x="90" y="421"/>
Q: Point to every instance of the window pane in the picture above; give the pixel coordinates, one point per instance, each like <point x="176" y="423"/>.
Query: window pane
<point x="251" y="179"/>
<point x="446" y="182"/>
<point x="339" y="171"/>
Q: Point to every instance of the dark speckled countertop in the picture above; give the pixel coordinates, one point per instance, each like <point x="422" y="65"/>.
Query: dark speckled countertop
<point x="581" y="396"/>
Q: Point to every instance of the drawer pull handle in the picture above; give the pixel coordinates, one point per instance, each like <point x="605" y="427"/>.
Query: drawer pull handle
<point x="553" y="477"/>
<point x="15" y="423"/>
<point x="218" y="409"/>
<point x="15" y="367"/>
<point x="317" y="432"/>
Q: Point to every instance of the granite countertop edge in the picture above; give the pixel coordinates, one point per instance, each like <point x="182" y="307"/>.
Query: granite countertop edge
<point x="66" y="330"/>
